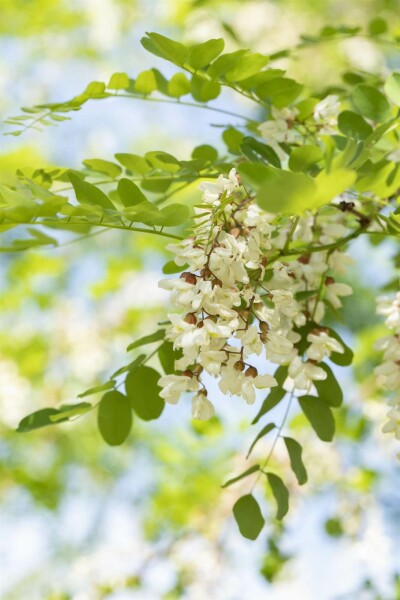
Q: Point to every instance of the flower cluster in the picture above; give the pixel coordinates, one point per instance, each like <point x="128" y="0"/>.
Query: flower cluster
<point x="388" y="373"/>
<point x="240" y="298"/>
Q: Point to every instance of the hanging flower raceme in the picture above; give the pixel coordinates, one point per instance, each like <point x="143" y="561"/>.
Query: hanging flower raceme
<point x="238" y="299"/>
<point x="388" y="372"/>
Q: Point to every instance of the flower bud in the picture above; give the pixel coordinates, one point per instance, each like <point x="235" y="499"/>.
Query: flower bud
<point x="251" y="372"/>
<point x="329" y="280"/>
<point x="187" y="373"/>
<point x="191" y="319"/>
<point x="239" y="365"/>
<point x="264" y="327"/>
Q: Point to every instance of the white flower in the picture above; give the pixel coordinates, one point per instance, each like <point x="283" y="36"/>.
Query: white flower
<point x="174" y="386"/>
<point x="304" y="374"/>
<point x="250" y="341"/>
<point x="321" y="345"/>
<point x="202" y="408"/>
<point x="335" y="290"/>
<point x="213" y="190"/>
<point x="278" y="348"/>
<point x="326" y="113"/>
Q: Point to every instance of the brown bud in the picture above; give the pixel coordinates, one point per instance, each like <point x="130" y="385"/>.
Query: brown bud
<point x="235" y="231"/>
<point x="200" y="324"/>
<point x="258" y="305"/>
<point x="191" y="319"/>
<point x="197" y="369"/>
<point x="304" y="259"/>
<point x="187" y="373"/>
<point x="189" y="277"/>
<point x="329" y="280"/>
<point x="312" y="361"/>
<point x="264" y="337"/>
<point x="206" y="273"/>
<point x="264" y="327"/>
<point x="239" y="365"/>
<point x="251" y="372"/>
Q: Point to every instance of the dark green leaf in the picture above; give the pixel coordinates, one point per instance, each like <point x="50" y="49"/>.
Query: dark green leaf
<point x="262" y="433"/>
<point x="319" y="415"/>
<point x="353" y="125"/>
<point x="257" y="151"/>
<point x="167" y="357"/>
<point x="342" y="359"/>
<point x="233" y="139"/>
<point x="377" y="26"/>
<point x="275" y="395"/>
<point x="246" y="473"/>
<point x="248" y="516"/>
<point x="296" y="462"/>
<point x="206" y="153"/>
<point x="52" y="416"/>
<point x="328" y="389"/>
<point x="114" y="418"/>
<point x="171" y="267"/>
<point x="143" y="391"/>
<point x="280" y="493"/>
<point x="203" y="54"/>
<point x="147" y="339"/>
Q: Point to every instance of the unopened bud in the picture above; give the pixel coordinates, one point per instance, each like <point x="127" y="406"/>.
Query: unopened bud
<point x="251" y="372"/>
<point x="187" y="373"/>
<point x="264" y="337"/>
<point x="329" y="280"/>
<point x="189" y="277"/>
<point x="206" y="273"/>
<point x="191" y="319"/>
<point x="304" y="259"/>
<point x="239" y="365"/>
<point x="264" y="327"/>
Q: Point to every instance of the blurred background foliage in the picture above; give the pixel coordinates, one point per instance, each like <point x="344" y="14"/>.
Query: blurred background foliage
<point x="83" y="521"/>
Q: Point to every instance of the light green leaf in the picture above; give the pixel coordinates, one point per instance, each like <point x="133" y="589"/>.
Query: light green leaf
<point x="353" y="125"/>
<point x="103" y="166"/>
<point x="146" y="82"/>
<point x="259" y="152"/>
<point x="280" y="493"/>
<point x="114" y="418"/>
<point x="281" y="91"/>
<point x="371" y="103"/>
<point x="245" y="66"/>
<point x="118" y="81"/>
<point x="225" y="63"/>
<point x="206" y="153"/>
<point x="329" y="185"/>
<point x="98" y="388"/>
<point x="174" y="214"/>
<point x="179" y="85"/>
<point x="233" y="139"/>
<point x="320" y="417"/>
<point x="134" y="163"/>
<point x="166" y="48"/>
<point x="296" y="462"/>
<point x="203" y="54"/>
<point x="248" y="516"/>
<point x="203" y="90"/>
<point x="392" y="87"/>
<point x="143" y="392"/>
<point x="305" y="157"/>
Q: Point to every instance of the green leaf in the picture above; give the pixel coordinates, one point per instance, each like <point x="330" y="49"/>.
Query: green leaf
<point x="371" y="103"/>
<point x="52" y="416"/>
<point x="328" y="389"/>
<point x="179" y="85"/>
<point x="392" y="87"/>
<point x="206" y="153"/>
<point x="281" y="91"/>
<point x="146" y="82"/>
<point x="377" y="26"/>
<point x="342" y="359"/>
<point x="245" y="66"/>
<point x="248" y="516"/>
<point x="95" y="89"/>
<point x="129" y="193"/>
<point x="174" y="214"/>
<point x="280" y="493"/>
<point x="275" y="395"/>
<point x="147" y="339"/>
<point x="262" y="433"/>
<point x="257" y="151"/>
<point x="319" y="415"/>
<point x="225" y="63"/>
<point x="296" y="462"/>
<point x="134" y="163"/>
<point x="103" y="166"/>
<point x="171" y="267"/>
<point x="167" y="357"/>
<point x="305" y="157"/>
<point x="203" y="54"/>
<point x="162" y="161"/>
<point x="203" y="90"/>
<point x="233" y="139"/>
<point x="114" y="418"/>
<point x="165" y="48"/>
<point x="118" y="81"/>
<point x="285" y="192"/>
<point x="329" y="185"/>
<point x="353" y="125"/>
<point x="246" y="473"/>
<point x="143" y="391"/>
<point x="86" y="192"/>
<point x="98" y="388"/>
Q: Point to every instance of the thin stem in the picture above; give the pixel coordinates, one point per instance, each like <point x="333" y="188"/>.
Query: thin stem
<point x="108" y="225"/>
<point x="278" y="435"/>
<point x="291" y="232"/>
